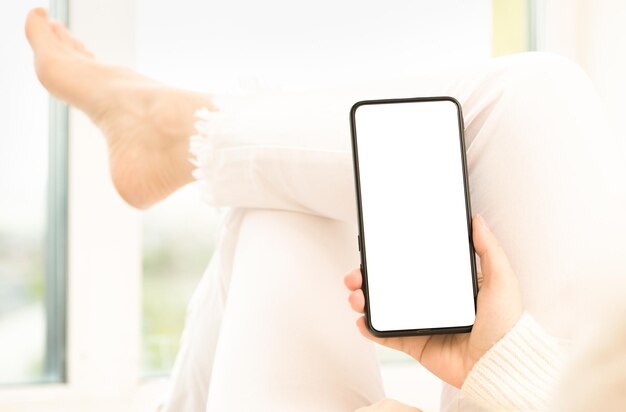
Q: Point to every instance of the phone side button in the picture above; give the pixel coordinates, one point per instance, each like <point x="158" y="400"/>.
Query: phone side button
<point x="358" y="239"/>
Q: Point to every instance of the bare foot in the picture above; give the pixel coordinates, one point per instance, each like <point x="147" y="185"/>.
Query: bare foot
<point x="147" y="124"/>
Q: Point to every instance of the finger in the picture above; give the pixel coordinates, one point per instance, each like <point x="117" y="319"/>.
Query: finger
<point x="353" y="280"/>
<point x="404" y="344"/>
<point x="393" y="343"/>
<point x="360" y="324"/>
<point x="357" y="301"/>
<point x="494" y="263"/>
<point x="363" y="330"/>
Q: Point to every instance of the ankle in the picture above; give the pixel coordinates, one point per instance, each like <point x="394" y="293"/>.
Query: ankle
<point x="174" y="117"/>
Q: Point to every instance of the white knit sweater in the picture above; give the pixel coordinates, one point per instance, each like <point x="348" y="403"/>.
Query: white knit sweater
<point x="519" y="372"/>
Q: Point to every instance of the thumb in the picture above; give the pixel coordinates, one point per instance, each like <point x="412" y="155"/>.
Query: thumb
<point x="494" y="264"/>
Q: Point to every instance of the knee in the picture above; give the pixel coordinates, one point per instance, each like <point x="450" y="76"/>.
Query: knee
<point x="526" y="89"/>
<point x="529" y="94"/>
<point x="544" y="77"/>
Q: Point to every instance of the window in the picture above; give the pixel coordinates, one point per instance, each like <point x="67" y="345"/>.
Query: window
<point x="178" y="240"/>
<point x="32" y="211"/>
<point x="106" y="359"/>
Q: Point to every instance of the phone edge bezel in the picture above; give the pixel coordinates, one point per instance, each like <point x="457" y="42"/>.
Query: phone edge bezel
<point x="361" y="237"/>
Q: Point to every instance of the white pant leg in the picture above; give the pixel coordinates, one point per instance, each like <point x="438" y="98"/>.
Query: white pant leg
<point x="288" y="339"/>
<point x="191" y="374"/>
<point x="512" y="109"/>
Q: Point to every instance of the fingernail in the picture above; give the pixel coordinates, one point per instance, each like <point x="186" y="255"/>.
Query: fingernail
<point x="483" y="223"/>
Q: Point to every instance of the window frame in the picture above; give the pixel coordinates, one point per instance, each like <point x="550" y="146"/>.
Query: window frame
<point x="93" y="297"/>
<point x="56" y="231"/>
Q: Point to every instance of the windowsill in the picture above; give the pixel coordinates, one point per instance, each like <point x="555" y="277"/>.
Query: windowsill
<point x="404" y="381"/>
<point x="70" y="398"/>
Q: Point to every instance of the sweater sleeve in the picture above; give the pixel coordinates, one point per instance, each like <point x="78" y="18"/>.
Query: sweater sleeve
<point x="519" y="372"/>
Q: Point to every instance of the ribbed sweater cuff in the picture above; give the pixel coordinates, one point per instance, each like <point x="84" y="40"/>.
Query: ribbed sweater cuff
<point x="518" y="372"/>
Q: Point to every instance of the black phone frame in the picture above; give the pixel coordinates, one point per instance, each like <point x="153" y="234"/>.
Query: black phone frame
<point x="361" y="236"/>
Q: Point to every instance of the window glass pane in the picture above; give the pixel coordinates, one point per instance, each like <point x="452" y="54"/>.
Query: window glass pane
<point x="23" y="203"/>
<point x="178" y="240"/>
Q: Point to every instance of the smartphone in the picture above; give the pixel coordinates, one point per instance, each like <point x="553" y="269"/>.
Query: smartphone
<point x="414" y="216"/>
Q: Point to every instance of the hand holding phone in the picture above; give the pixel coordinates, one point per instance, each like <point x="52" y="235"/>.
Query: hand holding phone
<point x="451" y="357"/>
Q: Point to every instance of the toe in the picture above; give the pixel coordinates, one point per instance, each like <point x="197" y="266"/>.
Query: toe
<point x="80" y="47"/>
<point x="38" y="30"/>
<point x="61" y="32"/>
<point x="68" y="40"/>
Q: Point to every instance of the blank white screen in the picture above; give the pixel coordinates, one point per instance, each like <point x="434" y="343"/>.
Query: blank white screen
<point x="414" y="215"/>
